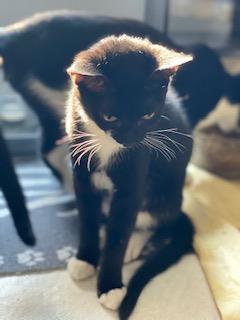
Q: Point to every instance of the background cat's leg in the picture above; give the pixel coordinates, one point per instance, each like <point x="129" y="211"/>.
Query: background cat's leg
<point x="119" y="228"/>
<point x="14" y="196"/>
<point x="48" y="105"/>
<point x="88" y="203"/>
<point x="58" y="161"/>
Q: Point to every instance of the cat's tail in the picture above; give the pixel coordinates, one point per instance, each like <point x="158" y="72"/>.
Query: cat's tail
<point x="178" y="245"/>
<point x="12" y="192"/>
<point x="233" y="89"/>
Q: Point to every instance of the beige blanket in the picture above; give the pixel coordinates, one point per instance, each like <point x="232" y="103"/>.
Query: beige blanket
<point x="214" y="206"/>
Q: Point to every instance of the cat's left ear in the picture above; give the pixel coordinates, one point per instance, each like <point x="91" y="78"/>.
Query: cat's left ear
<point x="171" y="60"/>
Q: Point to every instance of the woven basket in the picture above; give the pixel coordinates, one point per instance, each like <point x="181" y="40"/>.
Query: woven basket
<point x="217" y="152"/>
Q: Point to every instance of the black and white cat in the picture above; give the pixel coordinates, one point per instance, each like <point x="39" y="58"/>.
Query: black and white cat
<point x="130" y="146"/>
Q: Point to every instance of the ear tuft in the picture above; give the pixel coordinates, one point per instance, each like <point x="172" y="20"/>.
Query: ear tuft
<point x="172" y="60"/>
<point x="75" y="77"/>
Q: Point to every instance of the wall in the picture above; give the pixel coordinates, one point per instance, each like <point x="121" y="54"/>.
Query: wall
<point x="13" y="10"/>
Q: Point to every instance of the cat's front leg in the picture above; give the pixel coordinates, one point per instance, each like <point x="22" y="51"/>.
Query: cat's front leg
<point x="88" y="201"/>
<point x="120" y="226"/>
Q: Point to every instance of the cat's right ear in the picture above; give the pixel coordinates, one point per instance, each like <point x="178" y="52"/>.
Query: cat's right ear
<point x="94" y="81"/>
<point x="74" y="76"/>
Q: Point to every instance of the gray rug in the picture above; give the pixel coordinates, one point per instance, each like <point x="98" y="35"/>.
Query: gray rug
<point x="54" y="219"/>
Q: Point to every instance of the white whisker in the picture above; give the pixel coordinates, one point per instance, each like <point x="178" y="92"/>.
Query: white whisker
<point x="84" y="151"/>
<point x="78" y="146"/>
<point x="172" y="130"/>
<point x="157" y="148"/>
<point x="161" y="136"/>
<point x="91" y="154"/>
<point x="163" y="148"/>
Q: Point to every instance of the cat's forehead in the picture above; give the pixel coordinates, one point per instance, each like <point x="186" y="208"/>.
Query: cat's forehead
<point x="128" y="68"/>
<point x="114" y="53"/>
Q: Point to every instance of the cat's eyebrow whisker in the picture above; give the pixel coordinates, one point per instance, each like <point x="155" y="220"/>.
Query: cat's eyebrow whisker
<point x="91" y="154"/>
<point x="84" y="151"/>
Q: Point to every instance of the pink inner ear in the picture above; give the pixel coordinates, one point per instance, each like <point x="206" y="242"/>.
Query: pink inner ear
<point x="173" y="70"/>
<point x="76" y="77"/>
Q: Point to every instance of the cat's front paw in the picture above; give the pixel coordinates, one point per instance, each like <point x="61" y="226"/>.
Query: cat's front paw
<point x="113" y="298"/>
<point x="79" y="269"/>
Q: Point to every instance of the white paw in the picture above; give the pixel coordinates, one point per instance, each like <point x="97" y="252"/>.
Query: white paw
<point x="113" y="298"/>
<point x="80" y="269"/>
<point x="135" y="245"/>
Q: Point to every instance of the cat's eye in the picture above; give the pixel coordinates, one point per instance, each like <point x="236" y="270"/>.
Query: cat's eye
<point x="109" y="118"/>
<point x="148" y="116"/>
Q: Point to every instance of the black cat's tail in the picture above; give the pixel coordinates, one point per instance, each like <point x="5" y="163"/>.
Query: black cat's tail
<point x="12" y="192"/>
<point x="233" y="88"/>
<point x="180" y="244"/>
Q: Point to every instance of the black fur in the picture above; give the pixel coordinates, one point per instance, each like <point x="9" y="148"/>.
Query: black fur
<point x="13" y="194"/>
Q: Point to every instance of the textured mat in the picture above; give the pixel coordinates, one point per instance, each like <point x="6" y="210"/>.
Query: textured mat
<point x="54" y="219"/>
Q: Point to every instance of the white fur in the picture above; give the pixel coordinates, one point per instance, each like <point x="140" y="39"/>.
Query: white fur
<point x="113" y="298"/>
<point x="109" y="146"/>
<point x="101" y="181"/>
<point x="79" y="269"/>
<point x="135" y="245"/>
<point x="59" y="159"/>
<point x="145" y="221"/>
<point x="172" y="96"/>
<point x="225" y="115"/>
<point x="52" y="97"/>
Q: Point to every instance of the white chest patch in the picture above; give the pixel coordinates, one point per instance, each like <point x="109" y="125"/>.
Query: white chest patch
<point x="102" y="182"/>
<point x="109" y="146"/>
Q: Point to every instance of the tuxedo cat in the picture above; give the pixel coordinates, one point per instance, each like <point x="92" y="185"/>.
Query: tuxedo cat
<point x="37" y="50"/>
<point x="130" y="145"/>
<point x="12" y="191"/>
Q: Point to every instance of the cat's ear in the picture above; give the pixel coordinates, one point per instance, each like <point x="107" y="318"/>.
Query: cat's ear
<point x="91" y="78"/>
<point x="171" y="60"/>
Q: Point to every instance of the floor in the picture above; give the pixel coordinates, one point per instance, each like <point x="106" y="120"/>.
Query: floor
<point x="181" y="293"/>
